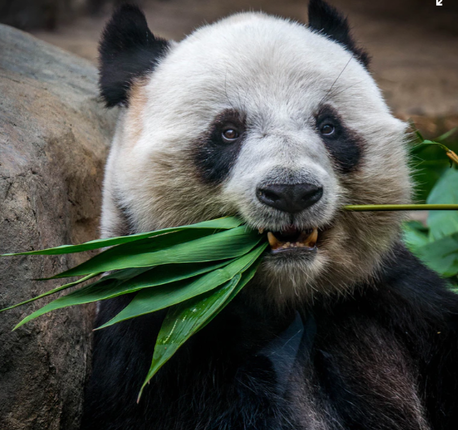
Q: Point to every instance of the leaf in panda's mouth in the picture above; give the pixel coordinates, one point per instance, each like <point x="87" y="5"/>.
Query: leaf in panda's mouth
<point x="292" y="238"/>
<point x="194" y="271"/>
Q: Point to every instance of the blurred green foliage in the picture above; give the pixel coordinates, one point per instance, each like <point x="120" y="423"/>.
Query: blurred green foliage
<point x="436" y="179"/>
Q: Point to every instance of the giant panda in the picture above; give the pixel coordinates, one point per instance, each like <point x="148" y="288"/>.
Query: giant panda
<point x="281" y="124"/>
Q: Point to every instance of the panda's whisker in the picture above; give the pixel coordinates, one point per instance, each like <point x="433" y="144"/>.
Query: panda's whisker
<point x="325" y="97"/>
<point x="333" y="93"/>
<point x="227" y="95"/>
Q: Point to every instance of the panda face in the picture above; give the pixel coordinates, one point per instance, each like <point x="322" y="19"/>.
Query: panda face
<point x="269" y="120"/>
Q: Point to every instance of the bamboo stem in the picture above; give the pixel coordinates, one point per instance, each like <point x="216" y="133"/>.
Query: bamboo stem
<point x="452" y="156"/>
<point x="401" y="207"/>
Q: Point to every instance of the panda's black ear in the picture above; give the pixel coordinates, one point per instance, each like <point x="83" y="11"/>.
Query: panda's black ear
<point x="326" y="19"/>
<point x="128" y="50"/>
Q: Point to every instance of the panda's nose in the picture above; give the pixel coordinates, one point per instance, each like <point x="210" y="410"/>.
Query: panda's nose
<point x="289" y="198"/>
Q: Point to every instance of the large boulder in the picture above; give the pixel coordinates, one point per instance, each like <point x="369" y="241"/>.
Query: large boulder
<point x="54" y="136"/>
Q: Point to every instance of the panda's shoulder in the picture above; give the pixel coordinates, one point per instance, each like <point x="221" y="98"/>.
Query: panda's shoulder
<point x="405" y="299"/>
<point x="404" y="279"/>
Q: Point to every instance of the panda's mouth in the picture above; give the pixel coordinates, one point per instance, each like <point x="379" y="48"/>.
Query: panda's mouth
<point x="291" y="239"/>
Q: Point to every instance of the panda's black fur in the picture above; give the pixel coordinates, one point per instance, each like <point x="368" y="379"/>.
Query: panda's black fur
<point x="328" y="20"/>
<point x="127" y="41"/>
<point x="381" y="358"/>
<point x="218" y="380"/>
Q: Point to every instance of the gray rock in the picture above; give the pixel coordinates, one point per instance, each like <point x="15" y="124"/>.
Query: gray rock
<point x="54" y="135"/>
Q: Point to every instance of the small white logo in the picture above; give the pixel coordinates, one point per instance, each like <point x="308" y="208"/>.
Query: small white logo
<point x="439" y="3"/>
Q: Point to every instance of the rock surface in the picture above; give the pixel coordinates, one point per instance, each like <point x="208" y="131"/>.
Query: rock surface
<point x="54" y="136"/>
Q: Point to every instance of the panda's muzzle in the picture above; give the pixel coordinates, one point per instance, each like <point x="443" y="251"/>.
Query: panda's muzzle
<point x="291" y="238"/>
<point x="291" y="199"/>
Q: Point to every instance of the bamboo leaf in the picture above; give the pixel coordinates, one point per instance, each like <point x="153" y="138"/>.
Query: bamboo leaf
<point x="415" y="234"/>
<point x="122" y="282"/>
<point x="441" y="255"/>
<point x="246" y="277"/>
<point x="426" y="176"/>
<point x="419" y="135"/>
<point x="185" y="319"/>
<point x="153" y="299"/>
<point x="139" y="247"/>
<point x="443" y="224"/>
<point x="433" y="162"/>
<point x="224" y="223"/>
<point x="53" y="291"/>
<point x="446" y="135"/>
<point x="224" y="245"/>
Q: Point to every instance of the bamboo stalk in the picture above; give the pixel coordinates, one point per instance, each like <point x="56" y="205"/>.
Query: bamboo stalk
<point x="401" y="207"/>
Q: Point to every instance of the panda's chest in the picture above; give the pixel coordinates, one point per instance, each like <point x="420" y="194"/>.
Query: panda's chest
<point x="236" y="386"/>
<point x="312" y="375"/>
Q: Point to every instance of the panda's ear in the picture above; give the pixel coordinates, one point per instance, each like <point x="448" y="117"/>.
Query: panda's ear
<point x="329" y="21"/>
<point x="128" y="50"/>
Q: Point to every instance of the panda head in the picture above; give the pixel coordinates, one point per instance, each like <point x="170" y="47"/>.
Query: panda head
<point x="257" y="116"/>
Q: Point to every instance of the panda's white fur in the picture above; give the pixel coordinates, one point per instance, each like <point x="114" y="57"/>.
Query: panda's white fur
<point x="278" y="73"/>
<point x="354" y="333"/>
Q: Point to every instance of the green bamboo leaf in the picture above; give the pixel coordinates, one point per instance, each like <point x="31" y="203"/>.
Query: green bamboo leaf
<point x="434" y="159"/>
<point x="219" y="246"/>
<point x="446" y="135"/>
<point x="426" y="143"/>
<point x="153" y="299"/>
<point x="123" y="282"/>
<point x="53" y="291"/>
<point x="246" y="277"/>
<point x="139" y="247"/>
<point x="426" y="175"/>
<point x="443" y="224"/>
<point x="441" y="255"/>
<point x="419" y="135"/>
<point x="224" y="223"/>
<point x="182" y="321"/>
<point x="415" y="234"/>
<point x="185" y="319"/>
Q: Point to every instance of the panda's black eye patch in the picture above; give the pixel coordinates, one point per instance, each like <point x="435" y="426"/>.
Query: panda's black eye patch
<point x="343" y="144"/>
<point x="215" y="151"/>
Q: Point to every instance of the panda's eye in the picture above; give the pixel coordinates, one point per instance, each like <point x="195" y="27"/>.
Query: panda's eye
<point x="230" y="135"/>
<point x="327" y="129"/>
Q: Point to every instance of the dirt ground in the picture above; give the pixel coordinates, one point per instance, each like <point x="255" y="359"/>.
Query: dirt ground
<point x="413" y="44"/>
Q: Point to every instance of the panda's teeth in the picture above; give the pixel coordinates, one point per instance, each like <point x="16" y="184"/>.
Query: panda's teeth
<point x="273" y="241"/>
<point x="261" y="230"/>
<point x="307" y="239"/>
<point x="311" y="240"/>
